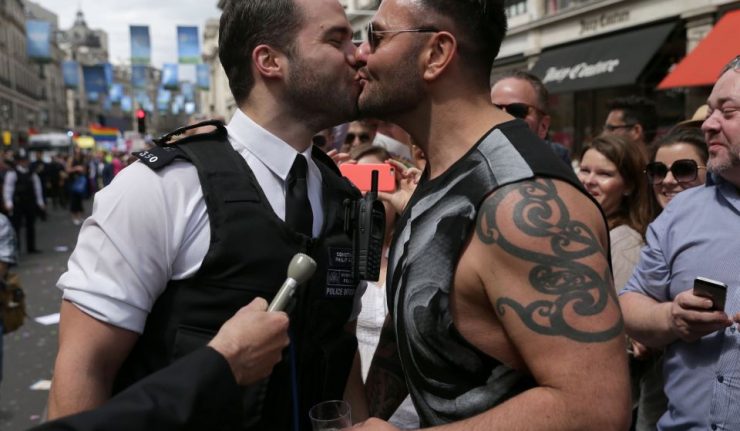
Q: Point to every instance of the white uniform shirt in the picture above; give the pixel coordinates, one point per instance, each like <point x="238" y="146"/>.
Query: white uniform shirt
<point x="149" y="227"/>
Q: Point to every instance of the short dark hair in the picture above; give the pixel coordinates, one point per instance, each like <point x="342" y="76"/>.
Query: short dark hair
<point x="637" y="110"/>
<point x="543" y="95"/>
<point x="482" y="24"/>
<point x="244" y="25"/>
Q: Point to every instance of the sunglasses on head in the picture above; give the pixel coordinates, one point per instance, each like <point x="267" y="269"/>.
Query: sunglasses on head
<point x="363" y="137"/>
<point x="517" y="110"/>
<point x="684" y="171"/>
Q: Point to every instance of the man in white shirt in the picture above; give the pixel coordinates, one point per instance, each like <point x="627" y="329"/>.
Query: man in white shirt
<point x="23" y="199"/>
<point x="155" y="230"/>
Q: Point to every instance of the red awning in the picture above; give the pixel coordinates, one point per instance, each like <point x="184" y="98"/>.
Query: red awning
<point x="702" y="66"/>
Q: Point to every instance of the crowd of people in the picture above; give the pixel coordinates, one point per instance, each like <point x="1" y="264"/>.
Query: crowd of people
<point x="522" y="286"/>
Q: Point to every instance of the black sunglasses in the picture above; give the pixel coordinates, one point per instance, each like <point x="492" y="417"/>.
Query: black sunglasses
<point x="684" y="171"/>
<point x="374" y="40"/>
<point x="363" y="137"/>
<point x="518" y="110"/>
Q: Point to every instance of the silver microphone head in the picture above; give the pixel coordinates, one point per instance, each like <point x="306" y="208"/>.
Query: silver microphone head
<point x="301" y="268"/>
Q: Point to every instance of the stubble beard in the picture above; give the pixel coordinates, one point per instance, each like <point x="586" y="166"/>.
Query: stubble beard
<point x="402" y="92"/>
<point x="319" y="101"/>
<point x="722" y="163"/>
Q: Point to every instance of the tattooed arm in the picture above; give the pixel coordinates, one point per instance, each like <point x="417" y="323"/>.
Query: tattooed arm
<point x="385" y="387"/>
<point x="540" y="252"/>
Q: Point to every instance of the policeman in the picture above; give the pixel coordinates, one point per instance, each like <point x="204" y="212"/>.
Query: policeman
<point x="182" y="239"/>
<point x="23" y="199"/>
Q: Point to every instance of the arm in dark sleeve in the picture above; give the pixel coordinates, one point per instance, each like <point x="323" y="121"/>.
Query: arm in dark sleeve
<point x="197" y="392"/>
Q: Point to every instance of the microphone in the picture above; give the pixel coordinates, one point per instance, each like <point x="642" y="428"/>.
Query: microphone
<point x="300" y="269"/>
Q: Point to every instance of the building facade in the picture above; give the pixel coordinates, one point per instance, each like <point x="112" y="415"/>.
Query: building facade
<point x="87" y="47"/>
<point x="19" y="78"/>
<point x="217" y="101"/>
<point x="52" y="114"/>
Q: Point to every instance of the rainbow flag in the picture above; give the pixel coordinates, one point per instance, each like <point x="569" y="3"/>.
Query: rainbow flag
<point x="100" y="133"/>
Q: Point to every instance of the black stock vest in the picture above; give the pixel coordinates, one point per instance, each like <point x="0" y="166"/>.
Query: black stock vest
<point x="250" y="248"/>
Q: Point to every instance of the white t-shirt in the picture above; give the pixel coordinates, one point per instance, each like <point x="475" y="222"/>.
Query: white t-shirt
<point x="148" y="227"/>
<point x="369" y="324"/>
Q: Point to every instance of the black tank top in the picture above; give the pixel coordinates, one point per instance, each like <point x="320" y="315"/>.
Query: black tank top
<point x="448" y="378"/>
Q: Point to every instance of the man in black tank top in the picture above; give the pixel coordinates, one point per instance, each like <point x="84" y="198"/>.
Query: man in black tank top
<point x="502" y="309"/>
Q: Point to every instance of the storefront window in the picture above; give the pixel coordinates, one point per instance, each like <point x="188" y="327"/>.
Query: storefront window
<point x="515" y="7"/>
<point x="555" y="6"/>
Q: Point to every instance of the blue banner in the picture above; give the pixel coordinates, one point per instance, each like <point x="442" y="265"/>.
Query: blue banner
<point x="188" y="91"/>
<point x="115" y="94"/>
<point x="93" y="96"/>
<point x="203" y="76"/>
<point x="39" y="38"/>
<point x="71" y="73"/>
<point x="169" y="76"/>
<point x="139" y="77"/>
<point x="141" y="48"/>
<point x="142" y="97"/>
<point x="94" y="77"/>
<point x="126" y="104"/>
<point x="163" y="99"/>
<point x="188" y="45"/>
<point x="108" y="69"/>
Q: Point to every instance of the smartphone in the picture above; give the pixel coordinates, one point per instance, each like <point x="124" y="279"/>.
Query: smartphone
<point x="361" y="175"/>
<point x="711" y="289"/>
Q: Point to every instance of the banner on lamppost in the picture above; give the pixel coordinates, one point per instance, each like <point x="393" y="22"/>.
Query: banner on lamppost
<point x="163" y="99"/>
<point x="108" y="70"/>
<point x="71" y="73"/>
<point x="169" y="76"/>
<point x="188" y="46"/>
<point x="139" y="76"/>
<point x="141" y="47"/>
<point x="126" y="104"/>
<point x="203" y="76"/>
<point x="188" y="91"/>
<point x="115" y="94"/>
<point x="95" y="82"/>
<point x="39" y="40"/>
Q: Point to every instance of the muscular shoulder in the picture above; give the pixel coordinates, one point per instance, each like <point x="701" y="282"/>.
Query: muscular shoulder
<point x="541" y="245"/>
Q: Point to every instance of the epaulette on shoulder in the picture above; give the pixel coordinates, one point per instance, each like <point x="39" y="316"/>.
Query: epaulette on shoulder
<point x="168" y="147"/>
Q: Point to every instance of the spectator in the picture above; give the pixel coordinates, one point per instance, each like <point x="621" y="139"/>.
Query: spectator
<point x="524" y="96"/>
<point x="394" y="139"/>
<point x="8" y="258"/>
<point x="611" y="170"/>
<point x="678" y="162"/>
<point x="633" y="117"/>
<point x="24" y="199"/>
<point x="77" y="184"/>
<point x="692" y="238"/>
<point x="359" y="132"/>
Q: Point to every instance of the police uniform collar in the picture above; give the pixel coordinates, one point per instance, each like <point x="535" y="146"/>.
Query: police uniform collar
<point x="272" y="151"/>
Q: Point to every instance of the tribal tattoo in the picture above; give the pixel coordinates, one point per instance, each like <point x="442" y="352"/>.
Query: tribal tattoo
<point x="574" y="290"/>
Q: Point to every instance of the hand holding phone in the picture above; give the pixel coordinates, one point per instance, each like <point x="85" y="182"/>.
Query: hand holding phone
<point x="711" y="289"/>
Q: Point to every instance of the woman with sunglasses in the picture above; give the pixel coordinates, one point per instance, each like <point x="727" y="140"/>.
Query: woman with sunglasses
<point x="610" y="171"/>
<point x="678" y="162"/>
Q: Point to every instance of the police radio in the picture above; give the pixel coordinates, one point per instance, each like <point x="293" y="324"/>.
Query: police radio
<point x="366" y="221"/>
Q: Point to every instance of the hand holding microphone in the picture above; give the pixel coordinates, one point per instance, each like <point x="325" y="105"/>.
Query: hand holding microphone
<point x="300" y="269"/>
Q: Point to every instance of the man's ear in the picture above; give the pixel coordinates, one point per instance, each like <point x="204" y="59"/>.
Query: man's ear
<point x="440" y="52"/>
<point x="544" y="126"/>
<point x="638" y="133"/>
<point x="269" y="62"/>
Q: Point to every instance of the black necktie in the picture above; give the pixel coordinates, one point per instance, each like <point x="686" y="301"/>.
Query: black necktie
<point x="298" y="212"/>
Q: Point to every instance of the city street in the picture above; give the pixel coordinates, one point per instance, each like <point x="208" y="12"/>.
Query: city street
<point x="30" y="351"/>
